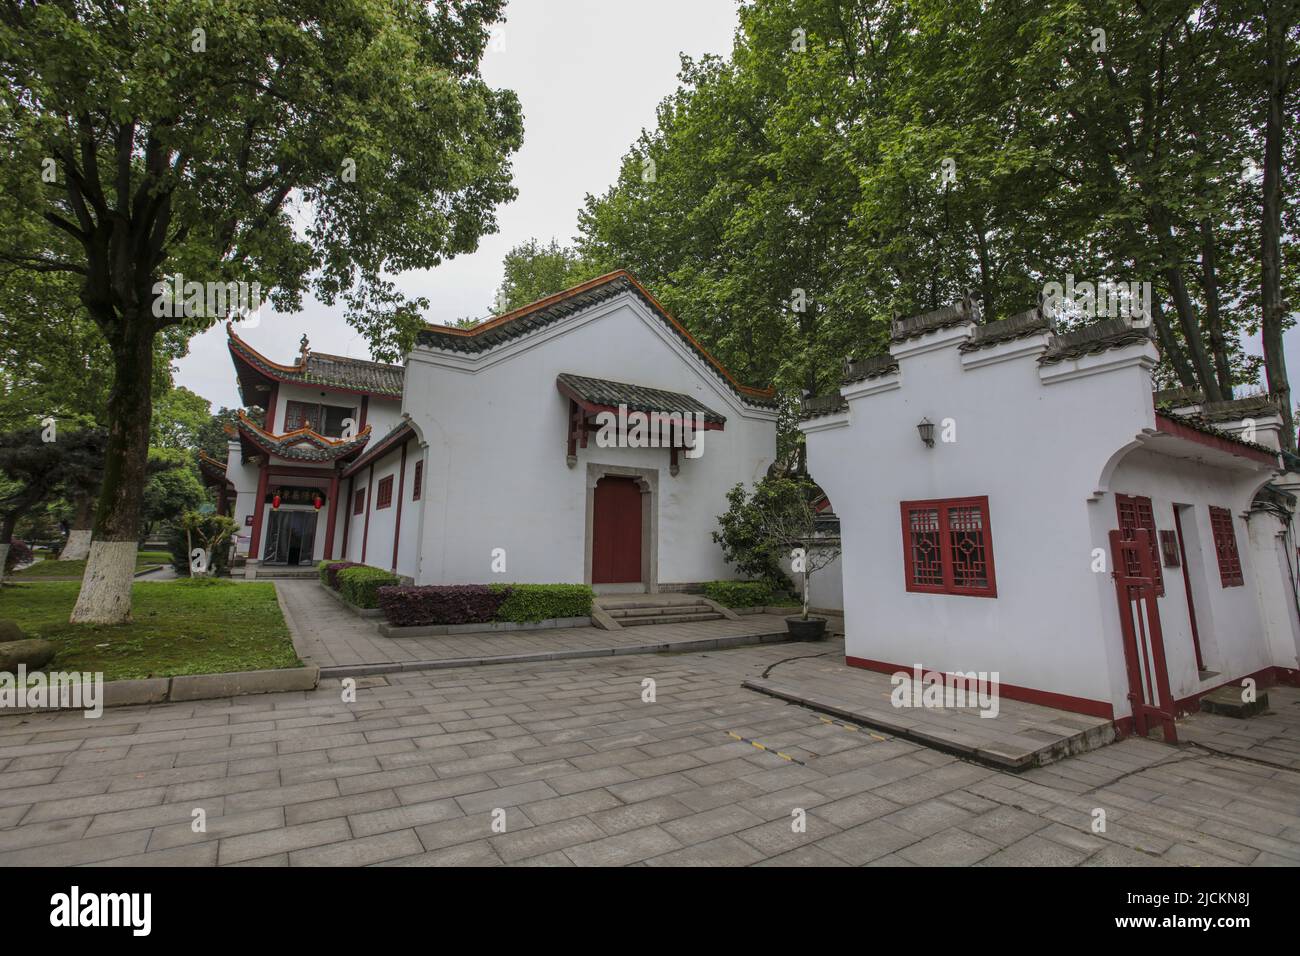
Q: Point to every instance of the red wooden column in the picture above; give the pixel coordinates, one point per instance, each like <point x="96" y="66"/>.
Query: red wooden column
<point x="333" y="516"/>
<point x="259" y="506"/>
<point x="347" y="519"/>
<point x="365" y="528"/>
<point x="397" y="524"/>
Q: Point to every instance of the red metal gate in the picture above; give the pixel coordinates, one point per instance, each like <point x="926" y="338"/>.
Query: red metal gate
<point x="1136" y="586"/>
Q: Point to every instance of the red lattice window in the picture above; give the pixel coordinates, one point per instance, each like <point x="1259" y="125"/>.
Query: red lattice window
<point x="359" y="501"/>
<point x="384" y="496"/>
<point x="1225" y="546"/>
<point x="948" y="547"/>
<point x="418" y="482"/>
<point x="1135" y="512"/>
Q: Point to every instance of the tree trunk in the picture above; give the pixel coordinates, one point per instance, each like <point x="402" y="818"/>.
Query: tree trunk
<point x="77" y="547"/>
<point x="6" y="536"/>
<point x="105" y="596"/>
<point x="1273" y="308"/>
<point x="1187" y="320"/>
<point x="1213" y="318"/>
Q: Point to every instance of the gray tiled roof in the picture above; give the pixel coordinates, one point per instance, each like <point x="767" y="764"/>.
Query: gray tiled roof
<point x="354" y="373"/>
<point x="874" y="366"/>
<point x="332" y="371"/>
<point x="555" y="308"/>
<point x="1030" y="322"/>
<point x="1095" y="338"/>
<point x="599" y="391"/>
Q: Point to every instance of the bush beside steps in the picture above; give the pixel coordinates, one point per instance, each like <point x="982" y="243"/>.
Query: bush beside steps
<point x="434" y="605"/>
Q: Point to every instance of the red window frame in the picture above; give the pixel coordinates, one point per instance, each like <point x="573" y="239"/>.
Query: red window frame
<point x="359" y="501"/>
<point x="942" y="520"/>
<point x="417" y="481"/>
<point x="384" y="496"/>
<point x="1135" y="512"/>
<point x="1225" y="547"/>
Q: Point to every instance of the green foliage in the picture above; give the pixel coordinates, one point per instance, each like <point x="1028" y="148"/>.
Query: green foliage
<point x="739" y="593"/>
<point x="819" y="168"/>
<point x="543" y="602"/>
<point x="533" y="271"/>
<point x="360" y="586"/>
<point x="211" y="532"/>
<point x="201" y="626"/>
<point x="173" y="488"/>
<point x="179" y="418"/>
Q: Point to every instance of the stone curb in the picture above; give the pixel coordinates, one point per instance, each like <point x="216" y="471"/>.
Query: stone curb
<point x="366" y="613"/>
<point x="705" y="644"/>
<point x="161" y="690"/>
<point x="492" y="627"/>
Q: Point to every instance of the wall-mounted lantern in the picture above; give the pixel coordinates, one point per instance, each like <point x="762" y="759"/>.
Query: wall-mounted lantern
<point x="316" y="502"/>
<point x="926" y="428"/>
<point x="275" y="503"/>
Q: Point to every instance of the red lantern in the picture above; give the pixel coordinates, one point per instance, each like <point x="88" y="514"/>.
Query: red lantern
<point x="316" y="502"/>
<point x="275" y="503"/>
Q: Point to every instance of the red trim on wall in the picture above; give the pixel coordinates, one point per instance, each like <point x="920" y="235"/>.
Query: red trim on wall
<point x="332" y="517"/>
<point x="347" y="522"/>
<point x="365" y="410"/>
<point x="263" y="480"/>
<point x="270" y="407"/>
<point x="1179" y="430"/>
<point x="401" y="490"/>
<point x="1078" y="705"/>
<point x="365" y="531"/>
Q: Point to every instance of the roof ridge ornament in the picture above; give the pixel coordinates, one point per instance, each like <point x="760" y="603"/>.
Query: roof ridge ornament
<point x="304" y="350"/>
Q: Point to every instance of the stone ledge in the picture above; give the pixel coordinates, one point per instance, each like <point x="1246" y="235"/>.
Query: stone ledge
<point x="491" y="627"/>
<point x="239" y="683"/>
<point x="366" y="613"/>
<point x="660" y="647"/>
<point x="161" y="690"/>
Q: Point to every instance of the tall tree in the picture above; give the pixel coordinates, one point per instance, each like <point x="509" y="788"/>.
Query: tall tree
<point x="292" y="145"/>
<point x="532" y="271"/>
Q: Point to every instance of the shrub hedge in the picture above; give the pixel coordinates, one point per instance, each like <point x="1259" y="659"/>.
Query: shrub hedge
<point x="440" y="604"/>
<point x="739" y="593"/>
<point x="329" y="571"/>
<point x="542" y="602"/>
<point x="359" y="585"/>
<point x="482" y="603"/>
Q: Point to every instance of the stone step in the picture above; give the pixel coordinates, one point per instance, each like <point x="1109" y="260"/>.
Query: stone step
<point x="628" y="604"/>
<point x="287" y="573"/>
<point x="671" y="619"/>
<point x="624" y="613"/>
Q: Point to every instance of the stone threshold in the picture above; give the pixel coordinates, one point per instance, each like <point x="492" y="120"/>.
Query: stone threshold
<point x="1001" y="754"/>
<point x="656" y="647"/>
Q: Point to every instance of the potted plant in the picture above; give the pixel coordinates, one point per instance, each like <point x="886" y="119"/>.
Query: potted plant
<point x="778" y="522"/>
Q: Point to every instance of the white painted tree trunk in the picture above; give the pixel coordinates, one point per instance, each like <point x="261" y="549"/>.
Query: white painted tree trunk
<point x="4" y="556"/>
<point x="77" y="547"/>
<point x="105" y="596"/>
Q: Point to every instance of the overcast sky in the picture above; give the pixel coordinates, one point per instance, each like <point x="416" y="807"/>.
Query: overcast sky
<point x="589" y="74"/>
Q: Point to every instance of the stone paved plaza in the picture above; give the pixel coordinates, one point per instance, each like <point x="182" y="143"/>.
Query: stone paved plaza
<point x="588" y="773"/>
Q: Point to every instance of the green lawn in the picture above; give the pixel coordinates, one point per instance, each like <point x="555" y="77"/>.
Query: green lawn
<point x="75" y="569"/>
<point x="182" y="627"/>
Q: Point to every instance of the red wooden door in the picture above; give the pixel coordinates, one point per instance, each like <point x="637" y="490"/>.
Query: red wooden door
<point x="616" y="532"/>
<point x="1144" y="643"/>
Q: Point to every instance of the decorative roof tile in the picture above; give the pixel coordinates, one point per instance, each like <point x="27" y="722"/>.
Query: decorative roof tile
<point x="960" y="313"/>
<point x="639" y="398"/>
<point x="302" y="444"/>
<point x="556" y="308"/>
<point x="319" y="368"/>
<point x="1095" y="338"/>
<point x="874" y="366"/>
<point x="1031" y="322"/>
<point x="818" y="406"/>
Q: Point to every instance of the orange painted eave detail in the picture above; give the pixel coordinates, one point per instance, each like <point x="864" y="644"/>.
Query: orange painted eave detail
<point x="300" y="432"/>
<point x="591" y="284"/>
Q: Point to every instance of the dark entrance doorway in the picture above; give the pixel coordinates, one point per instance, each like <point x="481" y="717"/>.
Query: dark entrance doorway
<point x="291" y="538"/>
<point x="616" y="532"/>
